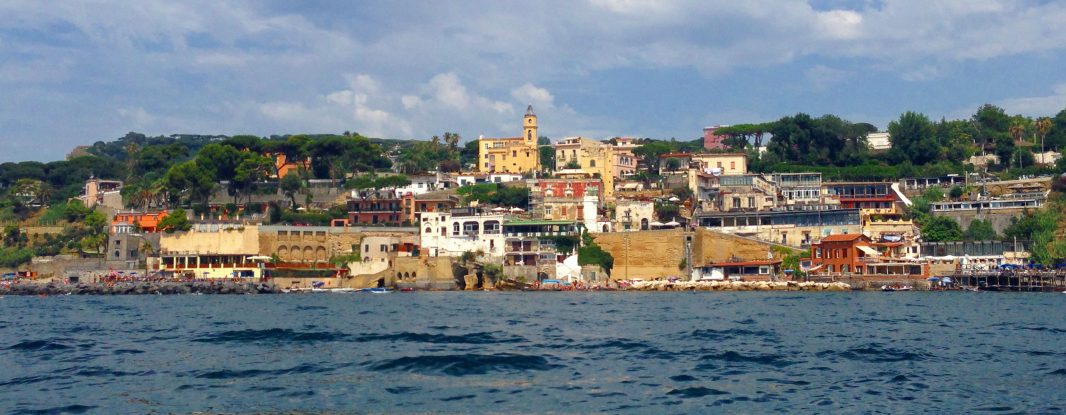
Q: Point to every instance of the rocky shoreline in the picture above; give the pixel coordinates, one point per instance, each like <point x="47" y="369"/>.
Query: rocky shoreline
<point x="738" y="286"/>
<point x="140" y="288"/>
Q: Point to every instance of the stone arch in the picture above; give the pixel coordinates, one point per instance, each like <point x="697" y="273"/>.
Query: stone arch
<point x="399" y="275"/>
<point x="309" y="254"/>
<point x="644" y="224"/>
<point x="414" y="274"/>
<point x="605" y="228"/>
<point x="283" y="253"/>
<point x="406" y="275"/>
<point x="320" y="254"/>
<point x="294" y="253"/>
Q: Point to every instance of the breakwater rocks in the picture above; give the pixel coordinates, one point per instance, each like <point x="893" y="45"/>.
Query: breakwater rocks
<point x="140" y="288"/>
<point x="738" y="286"/>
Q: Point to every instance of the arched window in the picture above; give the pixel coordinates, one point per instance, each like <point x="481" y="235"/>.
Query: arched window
<point x="529" y="134"/>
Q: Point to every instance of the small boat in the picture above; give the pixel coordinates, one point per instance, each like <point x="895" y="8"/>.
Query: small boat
<point x="892" y="288"/>
<point x="380" y="291"/>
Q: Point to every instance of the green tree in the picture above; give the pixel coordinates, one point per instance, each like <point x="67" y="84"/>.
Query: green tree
<point x="940" y="228"/>
<point x="175" y="221"/>
<point x="913" y="136"/>
<point x="980" y="230"/>
<point x="592" y="254"/>
<point x="956" y="192"/>
<point x="291" y="185"/>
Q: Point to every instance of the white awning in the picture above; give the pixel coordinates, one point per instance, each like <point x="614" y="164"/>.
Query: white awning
<point x="869" y="251"/>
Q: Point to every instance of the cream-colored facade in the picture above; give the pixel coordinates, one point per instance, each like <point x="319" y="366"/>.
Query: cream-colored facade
<point x="609" y="161"/>
<point x="511" y="154"/>
<point x="725" y="163"/>
<point x="211" y="251"/>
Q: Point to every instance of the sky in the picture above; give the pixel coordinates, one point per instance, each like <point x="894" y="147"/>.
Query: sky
<point x="76" y="72"/>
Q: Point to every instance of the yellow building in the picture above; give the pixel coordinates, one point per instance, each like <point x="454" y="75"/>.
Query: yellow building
<point x="603" y="160"/>
<point x="726" y="163"/>
<point x="511" y="154"/>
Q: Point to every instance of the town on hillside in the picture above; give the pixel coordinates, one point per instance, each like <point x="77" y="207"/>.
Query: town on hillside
<point x="936" y="204"/>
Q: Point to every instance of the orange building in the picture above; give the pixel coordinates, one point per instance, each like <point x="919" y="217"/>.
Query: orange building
<point x="284" y="166"/>
<point x="853" y="254"/>
<point x="147" y="221"/>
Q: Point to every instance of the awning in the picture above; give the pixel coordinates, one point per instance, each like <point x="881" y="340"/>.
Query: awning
<point x="869" y="251"/>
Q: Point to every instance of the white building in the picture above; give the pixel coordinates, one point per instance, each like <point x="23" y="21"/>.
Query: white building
<point x="445" y="234"/>
<point x="879" y="141"/>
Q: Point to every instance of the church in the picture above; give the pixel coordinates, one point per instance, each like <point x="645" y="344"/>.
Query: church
<point x="511" y="154"/>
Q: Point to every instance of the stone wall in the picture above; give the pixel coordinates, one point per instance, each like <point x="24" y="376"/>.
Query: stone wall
<point x="1000" y="219"/>
<point x="709" y="247"/>
<point x="644" y="254"/>
<point x="657" y="254"/>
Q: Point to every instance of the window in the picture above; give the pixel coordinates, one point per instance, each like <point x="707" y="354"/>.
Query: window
<point x="736" y="203"/>
<point x="514" y="153"/>
<point x="383" y="248"/>
<point x="592" y="163"/>
<point x="366" y="248"/>
<point x="751" y="202"/>
<point x="817" y="252"/>
<point x="732" y="165"/>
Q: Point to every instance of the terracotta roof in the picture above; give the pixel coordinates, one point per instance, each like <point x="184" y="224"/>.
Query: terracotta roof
<point x="845" y="237"/>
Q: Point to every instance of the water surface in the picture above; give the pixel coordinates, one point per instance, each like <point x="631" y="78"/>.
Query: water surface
<point x="457" y="352"/>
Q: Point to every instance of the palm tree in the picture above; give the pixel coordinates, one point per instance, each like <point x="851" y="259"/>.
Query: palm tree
<point x="1043" y="125"/>
<point x="1016" y="131"/>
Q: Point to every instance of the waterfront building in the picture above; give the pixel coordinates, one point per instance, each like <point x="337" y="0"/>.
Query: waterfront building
<point x="918" y="184"/>
<point x="414" y="206"/>
<point x="211" y="251"/>
<point x="739" y="193"/>
<point x="794" y="228"/>
<point x="511" y="154"/>
<point x="854" y="254"/>
<point x="461" y="230"/>
<point x="530" y="249"/>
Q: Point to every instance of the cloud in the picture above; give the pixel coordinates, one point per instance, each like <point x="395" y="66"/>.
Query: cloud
<point x="1039" y="106"/>
<point x="416" y="70"/>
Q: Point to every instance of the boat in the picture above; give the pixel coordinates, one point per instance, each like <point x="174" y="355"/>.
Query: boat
<point x="379" y="291"/>
<point x="896" y="288"/>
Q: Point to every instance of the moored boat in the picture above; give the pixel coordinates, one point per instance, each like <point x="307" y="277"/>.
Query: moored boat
<point x="896" y="287"/>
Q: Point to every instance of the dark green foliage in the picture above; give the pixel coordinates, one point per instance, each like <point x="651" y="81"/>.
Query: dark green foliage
<point x="980" y="230"/>
<point x="828" y="140"/>
<point x="373" y="181"/>
<point x="496" y="194"/>
<point x="13" y="257"/>
<point x="592" y="254"/>
<point x="175" y="221"/>
<point x="940" y="228"/>
<point x="913" y="136"/>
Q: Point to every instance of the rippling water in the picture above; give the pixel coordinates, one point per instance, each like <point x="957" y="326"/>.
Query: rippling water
<point x="535" y="352"/>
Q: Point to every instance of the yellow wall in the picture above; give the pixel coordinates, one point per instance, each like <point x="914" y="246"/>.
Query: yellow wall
<point x="730" y="163"/>
<point x="592" y="156"/>
<point x="513" y="154"/>
<point x="242" y="241"/>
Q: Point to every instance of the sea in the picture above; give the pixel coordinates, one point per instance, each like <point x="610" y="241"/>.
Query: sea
<point x="521" y="352"/>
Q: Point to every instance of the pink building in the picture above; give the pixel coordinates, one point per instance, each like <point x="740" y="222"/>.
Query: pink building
<point x="712" y="141"/>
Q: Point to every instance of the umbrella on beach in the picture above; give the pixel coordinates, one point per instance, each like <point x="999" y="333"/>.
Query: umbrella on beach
<point x="672" y="224"/>
<point x="517" y="209"/>
<point x="656" y="223"/>
<point x="499" y="209"/>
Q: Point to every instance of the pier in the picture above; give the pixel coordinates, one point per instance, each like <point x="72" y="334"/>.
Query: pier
<point x="1012" y="280"/>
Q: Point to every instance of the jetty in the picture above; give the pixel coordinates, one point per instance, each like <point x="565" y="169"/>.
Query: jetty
<point x="1024" y="281"/>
